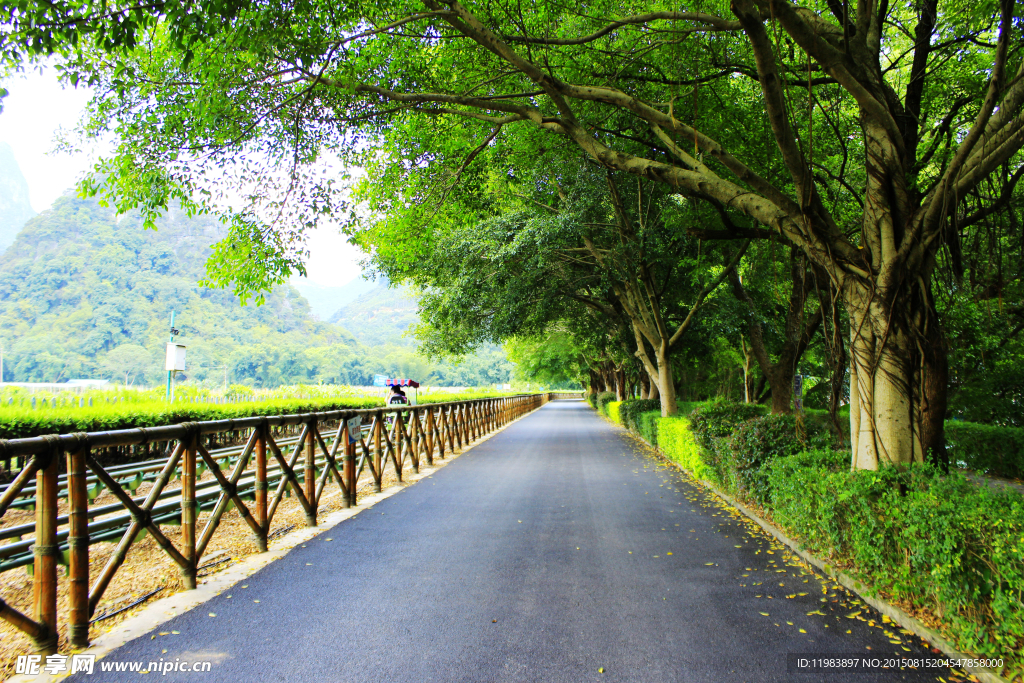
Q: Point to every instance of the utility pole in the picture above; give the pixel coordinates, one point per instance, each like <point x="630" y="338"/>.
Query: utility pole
<point x="170" y="373"/>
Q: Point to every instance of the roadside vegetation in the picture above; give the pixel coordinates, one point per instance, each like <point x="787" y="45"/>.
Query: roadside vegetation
<point x="946" y="549"/>
<point x="106" y="410"/>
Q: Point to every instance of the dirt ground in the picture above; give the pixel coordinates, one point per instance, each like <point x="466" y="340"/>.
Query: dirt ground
<point x="147" y="568"/>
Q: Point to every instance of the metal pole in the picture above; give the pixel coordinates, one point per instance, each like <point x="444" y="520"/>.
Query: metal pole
<point x="170" y="338"/>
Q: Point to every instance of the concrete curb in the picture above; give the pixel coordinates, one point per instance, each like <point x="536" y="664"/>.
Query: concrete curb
<point x="165" y="609"/>
<point x="860" y="589"/>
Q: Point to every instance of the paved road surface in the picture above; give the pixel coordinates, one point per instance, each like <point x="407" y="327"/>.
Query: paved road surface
<point x="555" y="549"/>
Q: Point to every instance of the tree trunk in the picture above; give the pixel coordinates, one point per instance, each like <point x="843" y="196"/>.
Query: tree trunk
<point x="748" y="377"/>
<point x="666" y="383"/>
<point x="620" y="385"/>
<point x="935" y="382"/>
<point x="883" y="426"/>
<point x="653" y="392"/>
<point x="645" y="385"/>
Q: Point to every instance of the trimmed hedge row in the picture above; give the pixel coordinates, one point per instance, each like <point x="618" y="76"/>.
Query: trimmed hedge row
<point x="19" y="422"/>
<point x="936" y="541"/>
<point x="986" y="448"/>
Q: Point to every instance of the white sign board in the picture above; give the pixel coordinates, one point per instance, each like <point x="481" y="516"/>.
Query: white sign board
<point x="354" y="429"/>
<point x="175" y="357"/>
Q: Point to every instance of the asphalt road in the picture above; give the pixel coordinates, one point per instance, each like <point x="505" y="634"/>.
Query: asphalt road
<point x="556" y="549"/>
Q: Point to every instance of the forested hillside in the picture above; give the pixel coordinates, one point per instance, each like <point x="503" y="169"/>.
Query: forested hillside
<point x="84" y="293"/>
<point x="381" y="315"/>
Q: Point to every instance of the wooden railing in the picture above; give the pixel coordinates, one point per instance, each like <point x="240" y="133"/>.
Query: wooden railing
<point x="261" y="472"/>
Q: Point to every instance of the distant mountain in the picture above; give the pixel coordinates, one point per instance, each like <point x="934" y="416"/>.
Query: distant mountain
<point x="15" y="209"/>
<point x="381" y="315"/>
<point x="325" y="301"/>
<point x="85" y="293"/>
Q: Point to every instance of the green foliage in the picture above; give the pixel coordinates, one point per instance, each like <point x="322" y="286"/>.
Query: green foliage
<point x="648" y="425"/>
<point x="713" y="424"/>
<point x="719" y="419"/>
<point x="550" y="359"/>
<point x="602" y="401"/>
<point x="612" y="408"/>
<point x="630" y="410"/>
<point x="986" y="448"/>
<point x="939" y="542"/>
<point x="755" y="444"/>
<point x="676" y="440"/>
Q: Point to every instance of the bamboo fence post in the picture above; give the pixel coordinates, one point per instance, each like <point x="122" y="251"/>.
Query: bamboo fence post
<point x="44" y="576"/>
<point x="189" y="511"/>
<point x="310" y="482"/>
<point x="377" y="459"/>
<point x="397" y="434"/>
<point x="430" y="436"/>
<point x="350" y="465"/>
<point x="78" y="545"/>
<point x="413" y="437"/>
<point x="260" y="486"/>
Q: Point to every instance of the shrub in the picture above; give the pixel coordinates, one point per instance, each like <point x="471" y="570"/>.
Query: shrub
<point x="677" y="442"/>
<point x="612" y="409"/>
<point x="603" y="399"/>
<point x="647" y="426"/>
<point x="986" y="448"/>
<point x="754" y="444"/>
<point x="630" y="410"/>
<point x="938" y="542"/>
<point x="718" y="419"/>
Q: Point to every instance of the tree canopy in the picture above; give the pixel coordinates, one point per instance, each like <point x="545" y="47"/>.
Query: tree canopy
<point x="866" y="138"/>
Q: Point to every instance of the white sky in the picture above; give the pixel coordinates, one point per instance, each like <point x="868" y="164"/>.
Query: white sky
<point x="37" y="107"/>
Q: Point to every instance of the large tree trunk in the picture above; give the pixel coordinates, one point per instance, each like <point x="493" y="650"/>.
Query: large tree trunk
<point x="666" y="382"/>
<point x="884" y="402"/>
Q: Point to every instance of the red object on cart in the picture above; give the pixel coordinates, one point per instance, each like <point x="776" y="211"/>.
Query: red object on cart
<point x="402" y="383"/>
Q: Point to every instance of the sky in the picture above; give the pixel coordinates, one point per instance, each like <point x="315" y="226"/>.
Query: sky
<point x="38" y="107"/>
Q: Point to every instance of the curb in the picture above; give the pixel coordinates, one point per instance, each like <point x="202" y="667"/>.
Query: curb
<point x="860" y="589"/>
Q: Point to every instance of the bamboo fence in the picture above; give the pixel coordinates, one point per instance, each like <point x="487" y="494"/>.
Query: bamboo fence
<point x="262" y="472"/>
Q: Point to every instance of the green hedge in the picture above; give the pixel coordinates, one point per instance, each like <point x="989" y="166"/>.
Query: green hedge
<point x="612" y="411"/>
<point x="986" y="448"/>
<point x="630" y="410"/>
<point x="20" y="422"/>
<point x="647" y="425"/>
<point x="939" y="542"/>
<point x="602" y="401"/>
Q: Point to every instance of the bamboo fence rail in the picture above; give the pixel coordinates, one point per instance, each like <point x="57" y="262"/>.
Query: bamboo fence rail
<point x="263" y="471"/>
